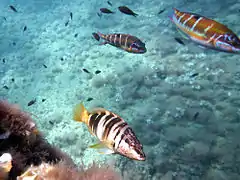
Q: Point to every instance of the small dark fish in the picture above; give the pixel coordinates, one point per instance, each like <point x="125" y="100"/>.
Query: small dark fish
<point x="13" y="79"/>
<point x="96" y="36"/>
<point x="31" y="102"/>
<point x="76" y="35"/>
<point x="106" y="11"/>
<point x="3" y="60"/>
<point x="195" y="116"/>
<point x="61" y="59"/>
<point x="44" y="66"/>
<point x="71" y="15"/>
<point x="86" y="71"/>
<point x="5" y="18"/>
<point x="97" y="71"/>
<point x="109" y="3"/>
<point x="179" y="40"/>
<point x="13" y="8"/>
<point x="14" y="43"/>
<point x="99" y="14"/>
<point x="25" y="28"/>
<point x="161" y="11"/>
<point x="43" y="100"/>
<point x="126" y="10"/>
<point x="52" y="123"/>
<point x="5" y="87"/>
<point x="66" y="23"/>
<point x="194" y="75"/>
<point x="90" y="99"/>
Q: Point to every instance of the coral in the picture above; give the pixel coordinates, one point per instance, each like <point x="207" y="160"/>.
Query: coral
<point x="15" y="121"/>
<point x="26" y="147"/>
<point x="33" y="157"/>
<point x="62" y="171"/>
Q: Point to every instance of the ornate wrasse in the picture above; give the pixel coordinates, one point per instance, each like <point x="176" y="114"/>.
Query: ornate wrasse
<point x="206" y="32"/>
<point x="113" y="132"/>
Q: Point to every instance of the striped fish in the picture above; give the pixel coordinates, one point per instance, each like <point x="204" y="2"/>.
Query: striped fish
<point x="206" y="32"/>
<point x="126" y="42"/>
<point x="113" y="132"/>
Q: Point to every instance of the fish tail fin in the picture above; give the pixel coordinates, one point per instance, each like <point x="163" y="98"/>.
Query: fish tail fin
<point x="172" y="15"/>
<point x="98" y="36"/>
<point x="80" y="114"/>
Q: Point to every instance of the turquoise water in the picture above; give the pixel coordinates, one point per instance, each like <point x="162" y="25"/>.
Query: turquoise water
<point x="188" y="126"/>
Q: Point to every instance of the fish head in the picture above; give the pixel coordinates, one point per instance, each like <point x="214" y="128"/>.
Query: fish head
<point x="131" y="148"/>
<point x="138" y="47"/>
<point x="228" y="43"/>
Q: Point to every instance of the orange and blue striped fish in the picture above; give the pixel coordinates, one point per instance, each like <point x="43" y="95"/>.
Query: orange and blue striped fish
<point x="126" y="42"/>
<point x="206" y="32"/>
<point x="113" y="132"/>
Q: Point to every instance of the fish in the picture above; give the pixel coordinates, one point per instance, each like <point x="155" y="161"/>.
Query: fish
<point x="195" y="116"/>
<point x="5" y="165"/>
<point x="97" y="71"/>
<point x="99" y="15"/>
<point x="13" y="8"/>
<point x="126" y="10"/>
<point x="90" y="99"/>
<point x="5" y="87"/>
<point x="109" y="3"/>
<point x="30" y="103"/>
<point x="66" y="23"/>
<point x="114" y="134"/>
<point x="206" y="32"/>
<point x="179" y="41"/>
<point x="106" y="11"/>
<point x="71" y="15"/>
<point x="126" y="42"/>
<point x="24" y="28"/>
<point x="161" y="11"/>
<point x="86" y="71"/>
<point x="194" y="75"/>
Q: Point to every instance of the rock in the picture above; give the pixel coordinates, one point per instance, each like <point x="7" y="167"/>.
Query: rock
<point x="167" y="176"/>
<point x="196" y="148"/>
<point x="215" y="174"/>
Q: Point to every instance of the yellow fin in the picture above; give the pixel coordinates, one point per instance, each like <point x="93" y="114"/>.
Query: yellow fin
<point x="80" y="113"/>
<point x="182" y="34"/>
<point x="102" y="148"/>
<point x="95" y="110"/>
<point x="97" y="146"/>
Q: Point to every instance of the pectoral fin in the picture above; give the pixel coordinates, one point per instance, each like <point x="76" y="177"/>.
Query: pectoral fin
<point x="103" y="43"/>
<point x="182" y="34"/>
<point x="102" y="148"/>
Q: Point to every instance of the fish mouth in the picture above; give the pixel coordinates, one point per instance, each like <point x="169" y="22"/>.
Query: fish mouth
<point x="142" y="159"/>
<point x="141" y="51"/>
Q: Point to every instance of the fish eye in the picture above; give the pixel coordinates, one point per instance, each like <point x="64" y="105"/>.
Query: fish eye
<point x="231" y="38"/>
<point x="134" y="45"/>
